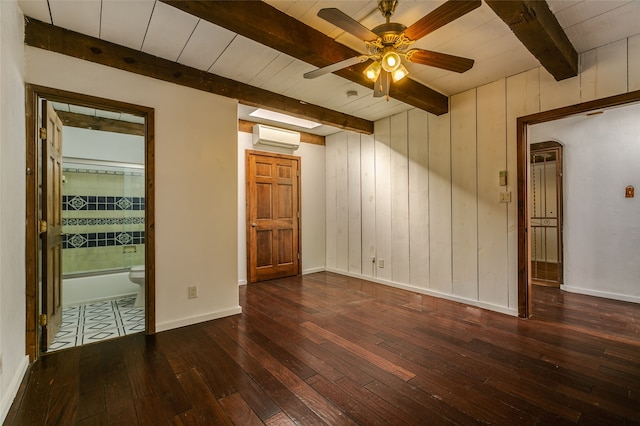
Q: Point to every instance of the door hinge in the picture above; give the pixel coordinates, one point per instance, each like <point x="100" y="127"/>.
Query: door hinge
<point x="298" y="173"/>
<point x="298" y="256"/>
<point x="42" y="226"/>
<point x="43" y="133"/>
<point x="43" y="320"/>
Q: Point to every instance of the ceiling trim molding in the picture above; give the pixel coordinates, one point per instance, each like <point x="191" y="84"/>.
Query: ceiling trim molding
<point x="269" y="26"/>
<point x="539" y="31"/>
<point x="246" y="126"/>
<point x="49" y="37"/>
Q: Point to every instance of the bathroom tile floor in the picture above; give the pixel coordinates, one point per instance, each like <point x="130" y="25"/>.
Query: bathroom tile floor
<point x="98" y="321"/>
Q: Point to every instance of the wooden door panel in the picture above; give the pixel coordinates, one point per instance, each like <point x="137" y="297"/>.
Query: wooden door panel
<point x="285" y="202"/>
<point x="263" y="170"/>
<point x="52" y="215"/>
<point x="264" y="244"/>
<point x="272" y="216"/>
<point x="284" y="171"/>
<point x="285" y="247"/>
<point x="264" y="201"/>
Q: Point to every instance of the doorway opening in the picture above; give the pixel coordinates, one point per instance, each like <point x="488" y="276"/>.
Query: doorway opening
<point x="525" y="299"/>
<point x="90" y="220"/>
<point x="545" y="207"/>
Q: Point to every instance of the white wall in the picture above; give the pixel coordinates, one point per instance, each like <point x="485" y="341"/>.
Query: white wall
<point x="312" y="203"/>
<point x="601" y="228"/>
<point x="106" y="146"/>
<point x="195" y="182"/>
<point x="422" y="194"/>
<point x="13" y="361"/>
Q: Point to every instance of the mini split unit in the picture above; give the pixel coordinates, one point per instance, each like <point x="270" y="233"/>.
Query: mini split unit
<point x="272" y="136"/>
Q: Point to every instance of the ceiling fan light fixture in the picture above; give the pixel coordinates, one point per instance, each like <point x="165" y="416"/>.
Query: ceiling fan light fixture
<point x="400" y="73"/>
<point x="391" y="61"/>
<point x="373" y="71"/>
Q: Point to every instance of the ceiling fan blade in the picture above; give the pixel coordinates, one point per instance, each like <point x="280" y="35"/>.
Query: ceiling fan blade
<point x="347" y="23"/>
<point x="449" y="11"/>
<point x="439" y="60"/>
<point x="335" y="67"/>
<point x="381" y="86"/>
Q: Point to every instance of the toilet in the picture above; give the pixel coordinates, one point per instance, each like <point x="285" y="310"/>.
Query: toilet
<point x="136" y="275"/>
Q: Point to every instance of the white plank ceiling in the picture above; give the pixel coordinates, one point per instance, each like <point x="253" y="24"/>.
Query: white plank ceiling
<point x="161" y="30"/>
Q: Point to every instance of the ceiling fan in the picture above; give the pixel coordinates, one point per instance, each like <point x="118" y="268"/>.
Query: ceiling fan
<point x="388" y="44"/>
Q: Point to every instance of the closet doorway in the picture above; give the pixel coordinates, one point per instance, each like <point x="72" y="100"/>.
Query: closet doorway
<point x="545" y="209"/>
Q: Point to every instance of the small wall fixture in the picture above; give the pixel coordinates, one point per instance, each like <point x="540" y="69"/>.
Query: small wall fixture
<point x="629" y="192"/>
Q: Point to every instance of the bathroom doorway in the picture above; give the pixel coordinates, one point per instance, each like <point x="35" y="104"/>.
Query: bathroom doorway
<point x="105" y="222"/>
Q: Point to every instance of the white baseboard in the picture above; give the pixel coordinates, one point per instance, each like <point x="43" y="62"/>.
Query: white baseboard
<point x="313" y="270"/>
<point x="598" y="293"/>
<point x="12" y="390"/>
<point x="169" y="325"/>
<point x="428" y="292"/>
<point x="304" y="272"/>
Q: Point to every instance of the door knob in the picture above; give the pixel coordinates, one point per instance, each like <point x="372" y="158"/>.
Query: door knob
<point x="253" y="225"/>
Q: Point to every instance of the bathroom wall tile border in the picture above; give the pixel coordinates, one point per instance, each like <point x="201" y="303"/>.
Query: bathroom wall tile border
<point x="101" y="172"/>
<point x="90" y="221"/>
<point x="102" y="239"/>
<point x="98" y="202"/>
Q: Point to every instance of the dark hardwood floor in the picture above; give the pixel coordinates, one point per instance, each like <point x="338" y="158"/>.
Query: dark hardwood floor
<point x="328" y="349"/>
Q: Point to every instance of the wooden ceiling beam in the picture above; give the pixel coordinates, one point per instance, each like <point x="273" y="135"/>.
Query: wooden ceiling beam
<point x="539" y="31"/>
<point x="269" y="26"/>
<point x="45" y="36"/>
<point x="83" y="121"/>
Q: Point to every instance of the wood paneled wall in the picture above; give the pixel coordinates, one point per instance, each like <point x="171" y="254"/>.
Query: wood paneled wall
<point x="422" y="193"/>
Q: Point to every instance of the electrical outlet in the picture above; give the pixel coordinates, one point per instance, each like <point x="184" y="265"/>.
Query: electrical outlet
<point x="193" y="292"/>
<point x="380" y="263"/>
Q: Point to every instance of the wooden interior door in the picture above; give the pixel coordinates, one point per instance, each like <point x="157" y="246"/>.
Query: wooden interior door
<point x="51" y="224"/>
<point x="273" y="216"/>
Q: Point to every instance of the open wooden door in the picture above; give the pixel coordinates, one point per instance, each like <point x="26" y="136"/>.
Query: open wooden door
<point x="273" y="216"/>
<point x="51" y="224"/>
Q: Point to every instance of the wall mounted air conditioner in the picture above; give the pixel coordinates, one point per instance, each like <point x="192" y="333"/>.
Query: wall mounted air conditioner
<point x="272" y="136"/>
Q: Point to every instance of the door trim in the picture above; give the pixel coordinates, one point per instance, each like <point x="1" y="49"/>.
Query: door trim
<point x="522" y="158"/>
<point x="248" y="154"/>
<point x="32" y="275"/>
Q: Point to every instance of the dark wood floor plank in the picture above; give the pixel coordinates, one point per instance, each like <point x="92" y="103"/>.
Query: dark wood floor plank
<point x="34" y="406"/>
<point x="344" y="367"/>
<point x="329" y="349"/>
<point x="254" y="394"/>
<point x="239" y="411"/>
<point x="207" y="408"/>
<point x="359" y="351"/>
<point x="150" y="411"/>
<point x="351" y="406"/>
<point x="279" y="392"/>
<point x="322" y="408"/>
